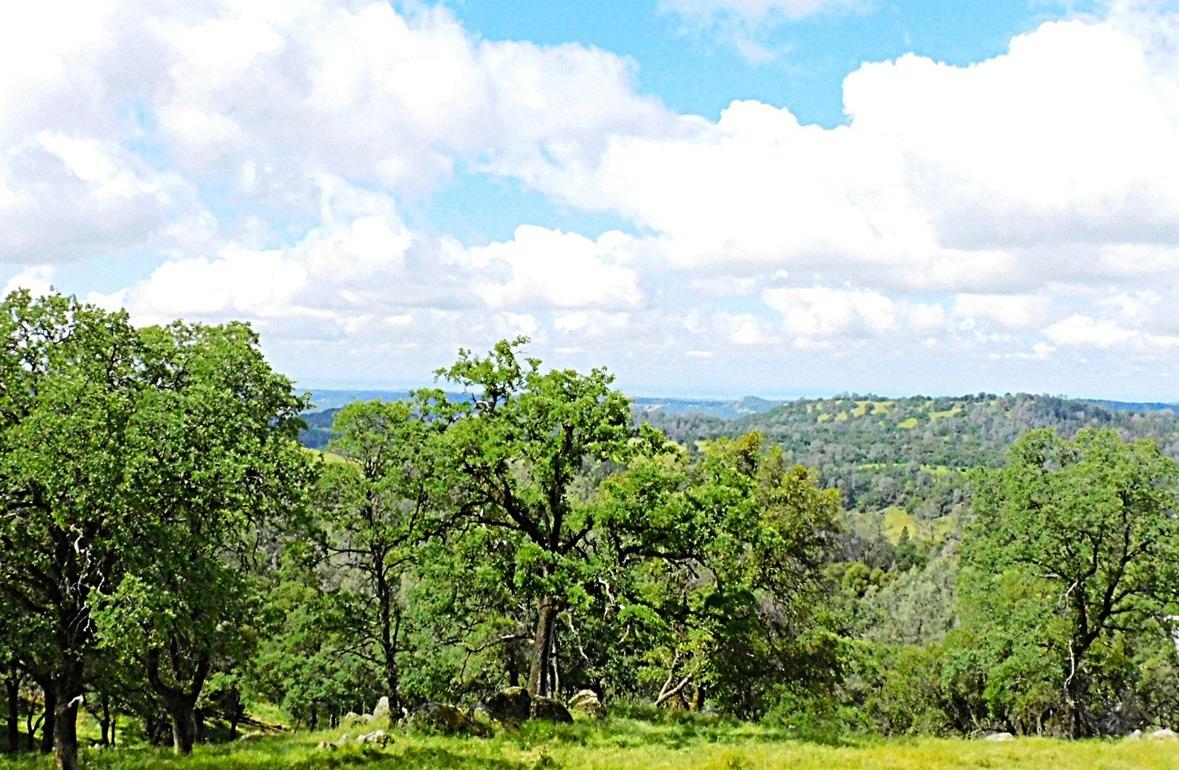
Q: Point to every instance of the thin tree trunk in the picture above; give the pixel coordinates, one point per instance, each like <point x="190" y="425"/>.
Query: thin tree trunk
<point x="104" y="721"/>
<point x="12" y="684"/>
<point x="49" y="723"/>
<point x="539" y="672"/>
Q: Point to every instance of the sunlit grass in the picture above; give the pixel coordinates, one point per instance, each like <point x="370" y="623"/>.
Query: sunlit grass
<point x="624" y="743"/>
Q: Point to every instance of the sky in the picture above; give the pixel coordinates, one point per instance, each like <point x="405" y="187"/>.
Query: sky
<point x="707" y="197"/>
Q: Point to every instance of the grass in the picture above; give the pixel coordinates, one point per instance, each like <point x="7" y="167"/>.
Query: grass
<point x="896" y="521"/>
<point x="909" y="423"/>
<point x="623" y="743"/>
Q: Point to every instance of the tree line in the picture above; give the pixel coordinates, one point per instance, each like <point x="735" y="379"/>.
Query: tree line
<point x="170" y="553"/>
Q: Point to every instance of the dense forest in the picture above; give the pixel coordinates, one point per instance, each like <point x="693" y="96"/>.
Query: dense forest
<point x="522" y="542"/>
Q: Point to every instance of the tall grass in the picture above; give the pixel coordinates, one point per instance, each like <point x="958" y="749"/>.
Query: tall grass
<point x="640" y="745"/>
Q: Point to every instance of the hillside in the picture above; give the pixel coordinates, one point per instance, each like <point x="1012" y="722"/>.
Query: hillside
<point x="908" y="452"/>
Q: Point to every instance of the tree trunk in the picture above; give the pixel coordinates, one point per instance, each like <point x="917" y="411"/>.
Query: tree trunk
<point x="540" y="672"/>
<point x="65" y="723"/>
<point x="183" y="726"/>
<point x="104" y="720"/>
<point x="49" y="723"/>
<point x="12" y="685"/>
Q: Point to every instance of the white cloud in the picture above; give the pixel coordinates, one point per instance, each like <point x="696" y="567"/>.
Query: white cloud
<point x="1021" y="206"/>
<point x="1085" y="331"/>
<point x="37" y="280"/>
<point x="823" y="312"/>
<point x="551" y="268"/>
<point x="1011" y="311"/>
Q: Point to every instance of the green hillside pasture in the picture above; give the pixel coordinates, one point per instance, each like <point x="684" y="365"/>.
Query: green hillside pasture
<point x="629" y="745"/>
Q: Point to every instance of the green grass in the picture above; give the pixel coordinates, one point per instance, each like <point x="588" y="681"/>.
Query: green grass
<point x="909" y="423"/>
<point x="953" y="411"/>
<point x="628" y="744"/>
<point x="896" y="521"/>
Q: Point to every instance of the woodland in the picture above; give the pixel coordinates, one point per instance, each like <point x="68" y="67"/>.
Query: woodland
<point x="518" y="546"/>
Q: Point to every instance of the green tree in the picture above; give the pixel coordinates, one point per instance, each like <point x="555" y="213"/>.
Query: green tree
<point x="521" y="446"/>
<point x="1083" y="535"/>
<point x="68" y="380"/>
<point x="212" y="462"/>
<point x="381" y="501"/>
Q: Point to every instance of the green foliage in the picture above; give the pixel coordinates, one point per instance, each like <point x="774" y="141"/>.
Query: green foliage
<point x="1071" y="555"/>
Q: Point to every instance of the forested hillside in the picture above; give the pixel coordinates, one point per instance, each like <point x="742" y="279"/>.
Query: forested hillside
<point x="525" y="544"/>
<point x="901" y="452"/>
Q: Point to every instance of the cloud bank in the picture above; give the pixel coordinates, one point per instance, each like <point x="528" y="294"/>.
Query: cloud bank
<point x="1024" y="209"/>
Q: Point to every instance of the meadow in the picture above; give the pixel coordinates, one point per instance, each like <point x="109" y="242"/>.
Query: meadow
<point x="637" y="745"/>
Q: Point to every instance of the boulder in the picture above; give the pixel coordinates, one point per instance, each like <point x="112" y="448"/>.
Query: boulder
<point x="343" y="739"/>
<point x="352" y="719"/>
<point x="586" y="703"/>
<point x="549" y="710"/>
<point x="999" y="737"/>
<point x="378" y="737"/>
<point x="441" y="718"/>
<point x="511" y="706"/>
<point x="1134" y="736"/>
<point x="482" y="723"/>
<point x="382" y="714"/>
<point x="1164" y="735"/>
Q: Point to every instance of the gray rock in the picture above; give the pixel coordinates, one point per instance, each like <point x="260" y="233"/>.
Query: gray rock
<point x="382" y="714"/>
<point x="999" y="737"/>
<point x="344" y="739"/>
<point x="549" y="710"/>
<point x="378" y="737"/>
<point x="1164" y="735"/>
<point x="510" y="706"/>
<point x="586" y="703"/>
<point x="441" y="718"/>
<point x="1134" y="736"/>
<point x="352" y="719"/>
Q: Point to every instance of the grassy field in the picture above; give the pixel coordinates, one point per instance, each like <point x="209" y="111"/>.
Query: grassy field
<point x="643" y="746"/>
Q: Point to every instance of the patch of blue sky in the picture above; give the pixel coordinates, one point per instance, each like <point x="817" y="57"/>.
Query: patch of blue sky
<point x="700" y="72"/>
<point x="477" y="209"/>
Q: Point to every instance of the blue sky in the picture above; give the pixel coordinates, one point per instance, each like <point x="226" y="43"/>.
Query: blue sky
<point x="710" y="197"/>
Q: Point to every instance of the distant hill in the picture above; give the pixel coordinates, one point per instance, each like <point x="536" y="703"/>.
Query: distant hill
<point x="883" y="453"/>
<point x="911" y="452"/>
<point x="325" y="403"/>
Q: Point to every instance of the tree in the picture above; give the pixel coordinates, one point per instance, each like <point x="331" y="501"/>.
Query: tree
<point x="212" y="461"/>
<point x="381" y="500"/>
<point x="717" y="565"/>
<point x="1082" y="536"/>
<point x="133" y="465"/>
<point x="520" y="446"/>
<point x="67" y="388"/>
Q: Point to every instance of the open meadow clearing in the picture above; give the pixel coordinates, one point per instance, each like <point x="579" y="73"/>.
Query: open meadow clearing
<point x="641" y="746"/>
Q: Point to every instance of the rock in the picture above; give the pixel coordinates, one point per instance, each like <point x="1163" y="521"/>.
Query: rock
<point x="344" y="739"/>
<point x="549" y="710"/>
<point x="381" y="713"/>
<point x="1164" y="735"/>
<point x="586" y="703"/>
<point x="1134" y="736"/>
<point x="511" y="706"/>
<point x="482" y="723"/>
<point x="352" y="719"/>
<point x="441" y="718"/>
<point x="379" y="737"/>
<point x="250" y="737"/>
<point x="999" y="737"/>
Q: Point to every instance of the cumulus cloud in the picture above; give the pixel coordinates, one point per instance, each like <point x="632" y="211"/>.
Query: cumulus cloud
<point x="1022" y="207"/>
